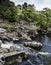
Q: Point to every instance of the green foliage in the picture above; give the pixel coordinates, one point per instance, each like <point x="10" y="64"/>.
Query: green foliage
<point x="8" y="10"/>
<point x="47" y="13"/>
<point x="26" y="12"/>
<point x="41" y="20"/>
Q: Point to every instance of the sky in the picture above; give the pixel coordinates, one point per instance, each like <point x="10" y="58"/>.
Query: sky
<point x="39" y="4"/>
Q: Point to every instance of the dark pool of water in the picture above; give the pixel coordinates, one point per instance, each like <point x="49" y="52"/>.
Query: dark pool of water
<point x="46" y="41"/>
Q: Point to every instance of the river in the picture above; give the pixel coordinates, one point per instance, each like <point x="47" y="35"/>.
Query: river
<point x="44" y="58"/>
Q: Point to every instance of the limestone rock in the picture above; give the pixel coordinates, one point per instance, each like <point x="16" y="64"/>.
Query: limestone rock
<point x="3" y="50"/>
<point x="34" y="45"/>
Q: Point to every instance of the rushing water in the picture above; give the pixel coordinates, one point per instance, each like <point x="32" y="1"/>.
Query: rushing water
<point x="44" y="58"/>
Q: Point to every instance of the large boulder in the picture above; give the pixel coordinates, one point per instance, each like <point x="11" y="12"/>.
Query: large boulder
<point x="34" y="45"/>
<point x="13" y="57"/>
<point x="2" y="31"/>
<point x="3" y="50"/>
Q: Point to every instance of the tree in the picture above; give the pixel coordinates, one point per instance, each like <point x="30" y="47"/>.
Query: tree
<point x="47" y="13"/>
<point x="8" y="10"/>
<point x="41" y="20"/>
<point x="25" y="5"/>
<point x="28" y="13"/>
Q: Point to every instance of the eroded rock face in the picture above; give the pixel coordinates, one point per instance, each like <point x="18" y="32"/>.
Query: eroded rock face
<point x="34" y="45"/>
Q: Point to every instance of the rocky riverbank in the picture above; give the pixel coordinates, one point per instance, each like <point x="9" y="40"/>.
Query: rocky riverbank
<point x="15" y="31"/>
<point x="20" y="30"/>
<point x="16" y="42"/>
<point x="11" y="53"/>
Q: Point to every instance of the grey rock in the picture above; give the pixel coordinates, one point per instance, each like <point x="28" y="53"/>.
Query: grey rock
<point x="3" y="50"/>
<point x="34" y="45"/>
